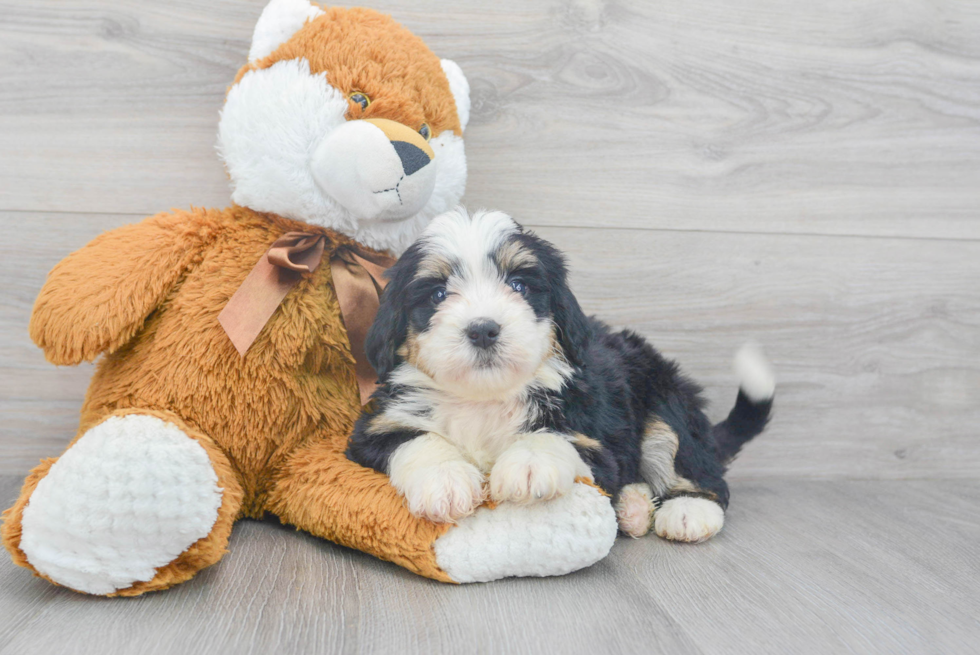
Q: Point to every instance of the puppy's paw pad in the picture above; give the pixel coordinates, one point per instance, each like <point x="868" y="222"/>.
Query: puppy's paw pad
<point x="525" y="475"/>
<point x="688" y="518"/>
<point x="445" y="492"/>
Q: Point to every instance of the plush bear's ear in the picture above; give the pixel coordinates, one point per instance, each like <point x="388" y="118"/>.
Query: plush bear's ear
<point x="572" y="328"/>
<point x="460" y="88"/>
<point x="279" y="20"/>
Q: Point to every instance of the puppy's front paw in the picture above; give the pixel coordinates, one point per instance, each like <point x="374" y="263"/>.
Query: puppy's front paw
<point x="444" y="492"/>
<point x="437" y="483"/>
<point x="538" y="467"/>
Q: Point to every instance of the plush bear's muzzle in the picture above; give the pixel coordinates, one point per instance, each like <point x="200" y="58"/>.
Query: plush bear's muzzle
<point x="378" y="169"/>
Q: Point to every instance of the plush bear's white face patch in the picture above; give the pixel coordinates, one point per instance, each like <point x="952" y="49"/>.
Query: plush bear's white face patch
<point x="290" y="150"/>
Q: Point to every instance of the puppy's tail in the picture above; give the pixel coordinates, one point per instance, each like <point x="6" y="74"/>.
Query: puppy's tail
<point x="756" y="388"/>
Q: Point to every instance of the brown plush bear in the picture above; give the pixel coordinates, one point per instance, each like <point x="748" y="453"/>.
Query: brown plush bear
<point x="343" y="132"/>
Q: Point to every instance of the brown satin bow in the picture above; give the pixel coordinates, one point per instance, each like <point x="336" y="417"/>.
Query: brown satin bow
<point x="358" y="278"/>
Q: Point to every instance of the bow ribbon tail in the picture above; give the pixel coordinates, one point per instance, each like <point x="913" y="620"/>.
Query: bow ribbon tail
<point x="256" y="300"/>
<point x="358" y="279"/>
<point x="359" y="282"/>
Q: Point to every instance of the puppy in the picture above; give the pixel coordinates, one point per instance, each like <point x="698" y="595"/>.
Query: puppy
<point x="489" y="369"/>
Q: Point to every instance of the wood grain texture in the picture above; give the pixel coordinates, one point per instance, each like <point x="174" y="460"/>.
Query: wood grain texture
<point x="876" y="341"/>
<point x="859" y="567"/>
<point x="833" y="118"/>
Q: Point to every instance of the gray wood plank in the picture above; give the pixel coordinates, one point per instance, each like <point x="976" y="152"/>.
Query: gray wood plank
<point x="808" y="567"/>
<point x="850" y="118"/>
<point x="876" y="340"/>
<point x="852" y="567"/>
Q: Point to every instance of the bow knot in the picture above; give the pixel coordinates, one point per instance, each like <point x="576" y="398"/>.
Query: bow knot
<point x="305" y="247"/>
<point x="358" y="278"/>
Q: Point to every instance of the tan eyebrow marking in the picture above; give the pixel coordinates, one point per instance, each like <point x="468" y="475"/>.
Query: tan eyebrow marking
<point x="434" y="266"/>
<point x="512" y="255"/>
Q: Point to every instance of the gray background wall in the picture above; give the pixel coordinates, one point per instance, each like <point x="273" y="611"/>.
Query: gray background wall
<point x="716" y="171"/>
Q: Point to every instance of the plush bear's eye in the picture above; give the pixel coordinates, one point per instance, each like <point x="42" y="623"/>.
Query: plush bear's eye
<point x="360" y="99"/>
<point x="425" y="131"/>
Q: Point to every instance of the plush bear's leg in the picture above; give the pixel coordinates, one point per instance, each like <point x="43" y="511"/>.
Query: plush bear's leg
<point x="319" y="490"/>
<point x="138" y="502"/>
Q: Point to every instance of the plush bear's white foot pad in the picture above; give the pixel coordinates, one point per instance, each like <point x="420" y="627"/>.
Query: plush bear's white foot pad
<point x="129" y="497"/>
<point x="688" y="518"/>
<point x="548" y="538"/>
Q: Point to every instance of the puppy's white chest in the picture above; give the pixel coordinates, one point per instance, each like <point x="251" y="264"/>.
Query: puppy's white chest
<point x="481" y="430"/>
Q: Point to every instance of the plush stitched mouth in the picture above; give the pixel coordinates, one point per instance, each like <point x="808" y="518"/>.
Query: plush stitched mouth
<point x="395" y="189"/>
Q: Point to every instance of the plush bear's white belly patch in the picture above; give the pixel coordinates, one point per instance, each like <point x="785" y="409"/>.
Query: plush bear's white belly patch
<point x="129" y="497"/>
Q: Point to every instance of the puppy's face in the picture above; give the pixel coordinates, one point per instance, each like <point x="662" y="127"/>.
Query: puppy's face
<point x="478" y="305"/>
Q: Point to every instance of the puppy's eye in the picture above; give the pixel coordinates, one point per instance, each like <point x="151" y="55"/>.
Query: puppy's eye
<point x="359" y="98"/>
<point x="438" y="295"/>
<point x="425" y="131"/>
<point x="518" y="285"/>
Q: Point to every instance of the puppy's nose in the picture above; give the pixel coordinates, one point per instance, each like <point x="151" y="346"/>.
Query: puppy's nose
<point x="413" y="158"/>
<point x="483" y="332"/>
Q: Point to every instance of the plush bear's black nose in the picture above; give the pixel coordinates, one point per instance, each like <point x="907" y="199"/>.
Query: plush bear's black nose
<point x="483" y="332"/>
<point x="413" y="158"/>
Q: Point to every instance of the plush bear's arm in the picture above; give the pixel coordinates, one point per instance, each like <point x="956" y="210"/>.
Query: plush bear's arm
<point x="98" y="297"/>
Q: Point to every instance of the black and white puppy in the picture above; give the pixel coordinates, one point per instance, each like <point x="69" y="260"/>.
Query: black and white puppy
<point x="489" y="369"/>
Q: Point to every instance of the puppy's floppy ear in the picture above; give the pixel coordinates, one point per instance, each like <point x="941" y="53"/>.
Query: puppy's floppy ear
<point x="390" y="327"/>
<point x="385" y="336"/>
<point x="572" y="326"/>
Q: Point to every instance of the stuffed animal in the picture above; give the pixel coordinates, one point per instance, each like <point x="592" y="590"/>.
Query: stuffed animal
<point x="232" y="371"/>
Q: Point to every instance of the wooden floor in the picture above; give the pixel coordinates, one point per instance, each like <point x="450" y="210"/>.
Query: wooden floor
<point x="803" y="174"/>
<point x="801" y="567"/>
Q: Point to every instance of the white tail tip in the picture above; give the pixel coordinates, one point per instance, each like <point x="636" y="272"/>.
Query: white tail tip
<point x="755" y="375"/>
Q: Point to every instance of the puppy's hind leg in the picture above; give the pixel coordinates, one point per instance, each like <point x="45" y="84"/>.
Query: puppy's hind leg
<point x="635" y="506"/>
<point x="691" y="506"/>
<point x="688" y="518"/>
